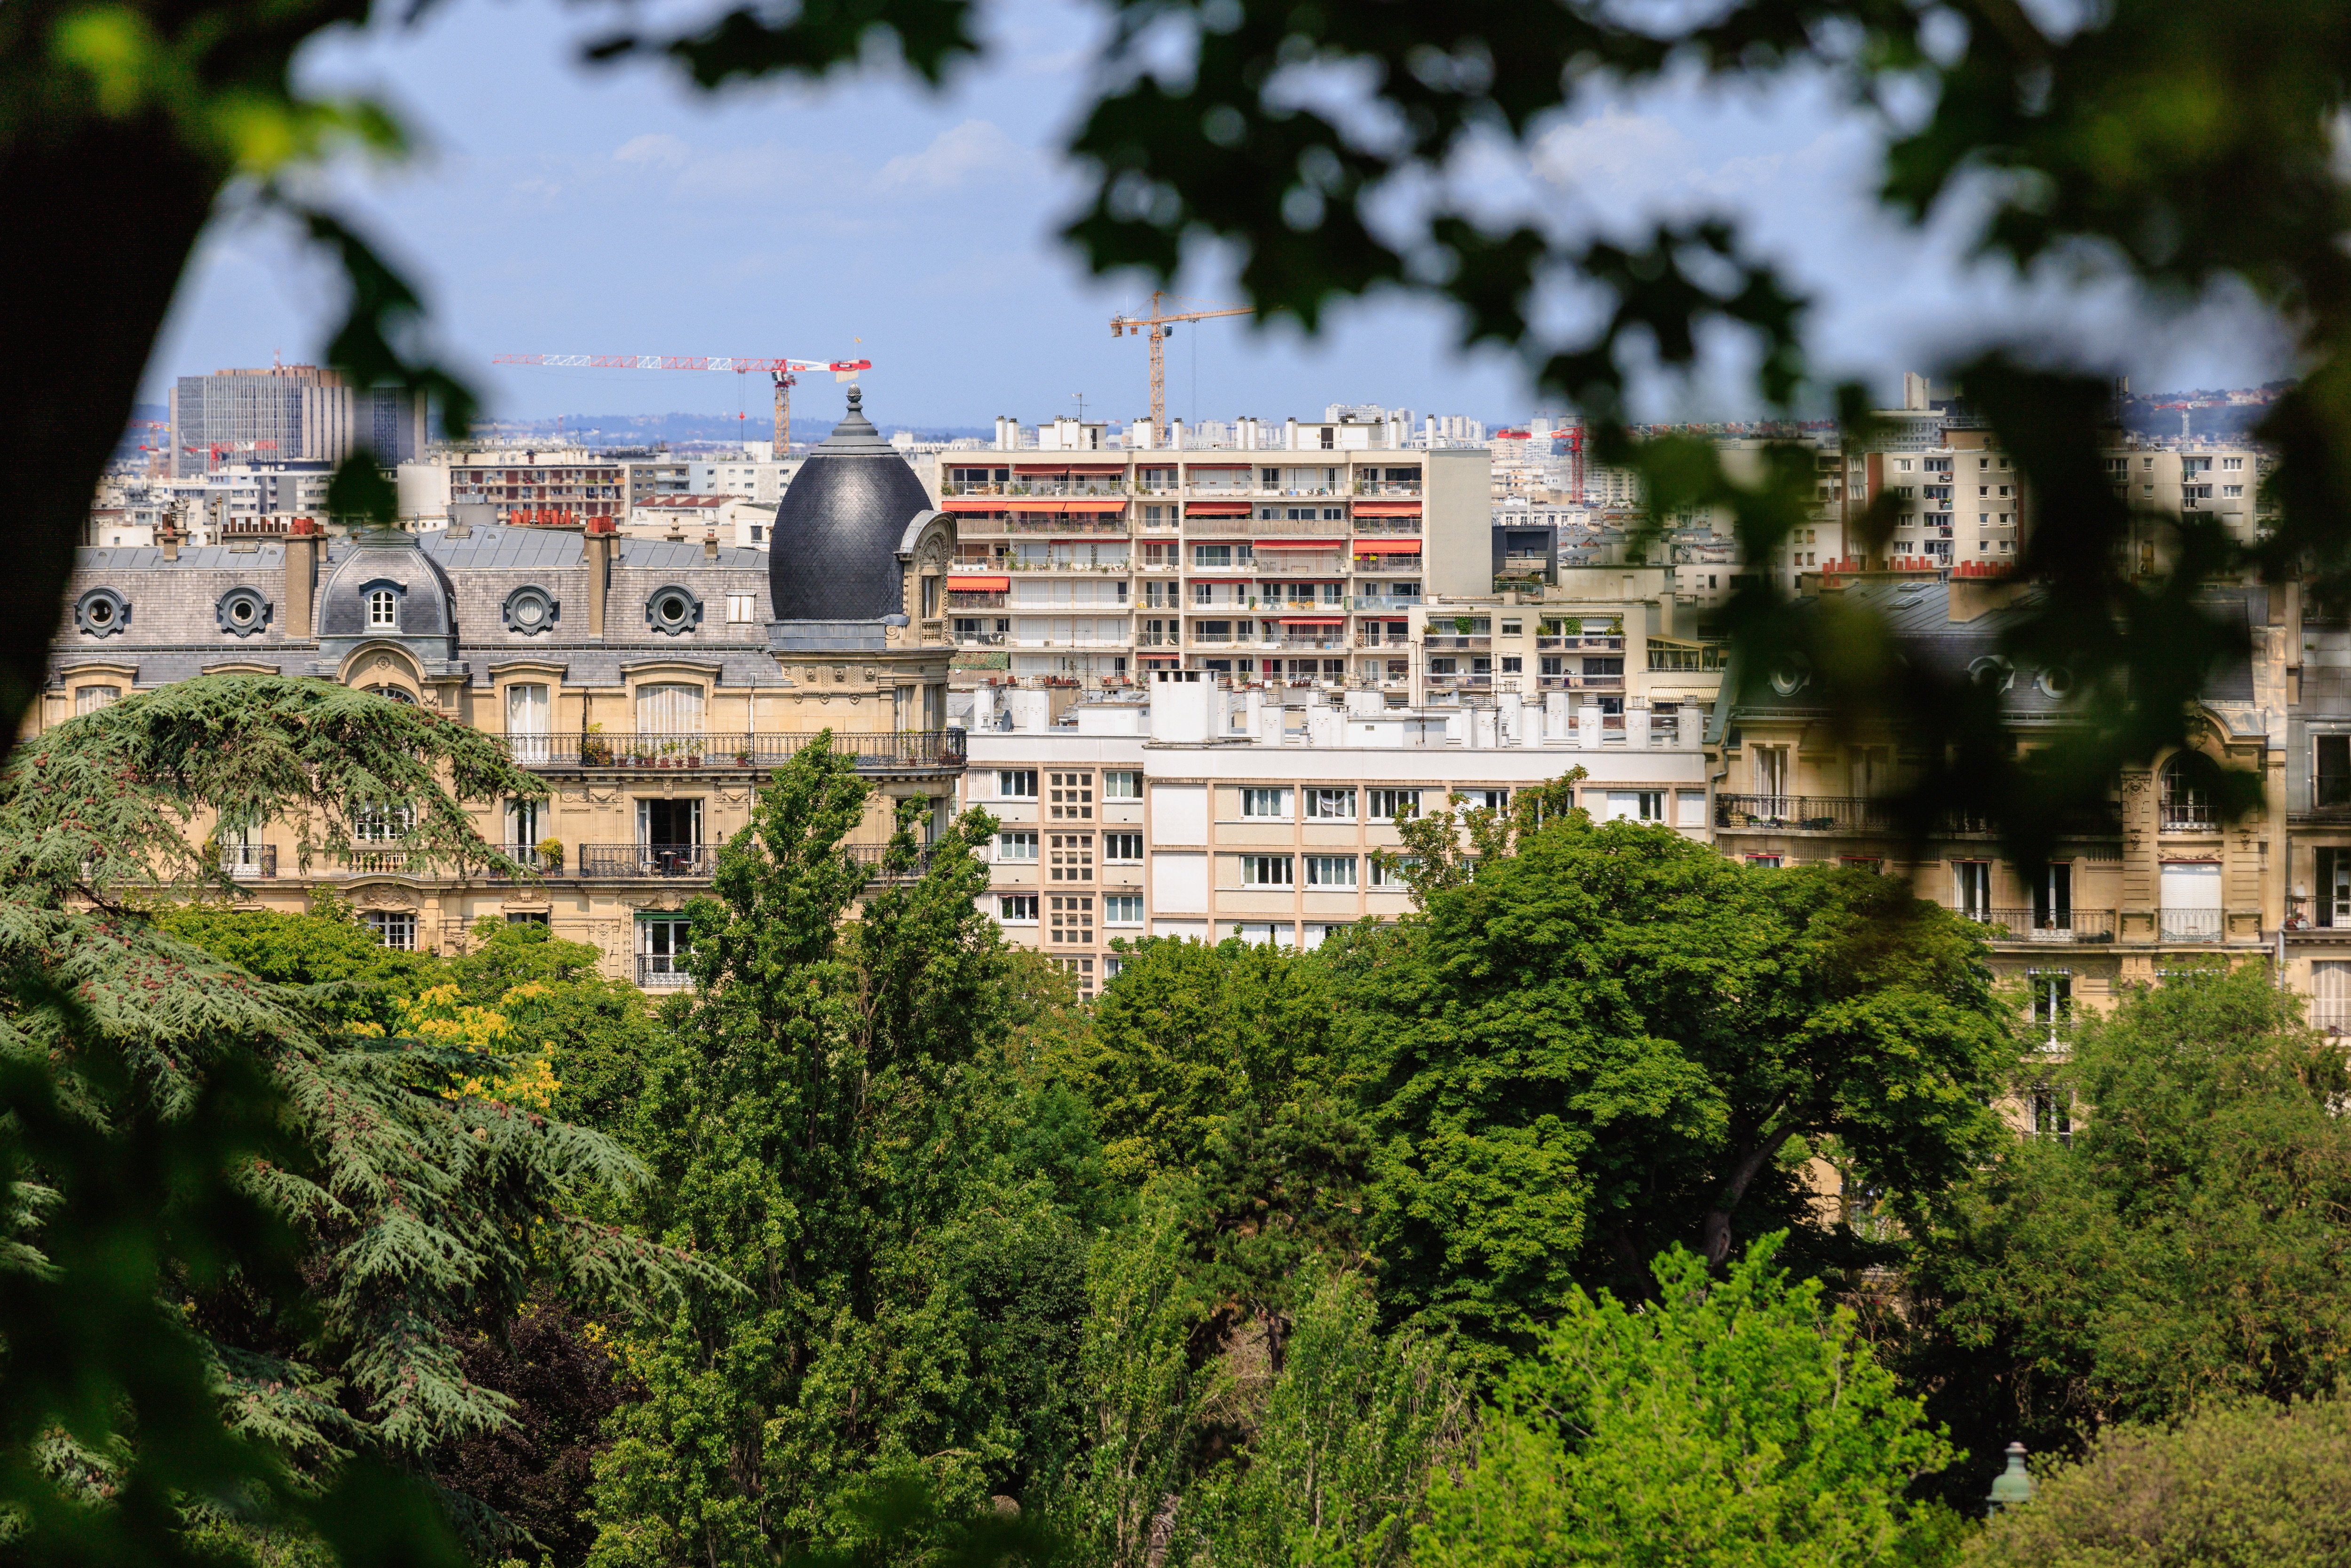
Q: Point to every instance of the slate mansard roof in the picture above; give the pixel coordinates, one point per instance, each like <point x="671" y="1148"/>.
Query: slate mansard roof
<point x="459" y="596"/>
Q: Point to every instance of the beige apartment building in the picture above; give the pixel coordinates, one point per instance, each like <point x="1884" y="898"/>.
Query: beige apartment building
<point x="652" y="685"/>
<point x="1205" y="810"/>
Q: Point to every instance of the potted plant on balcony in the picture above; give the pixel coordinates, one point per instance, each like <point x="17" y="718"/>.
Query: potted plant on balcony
<point x="550" y="853"/>
<point x="743" y="754"/>
<point x="1461" y="624"/>
<point x="595" y="747"/>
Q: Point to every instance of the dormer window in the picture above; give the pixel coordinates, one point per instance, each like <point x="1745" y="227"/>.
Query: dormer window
<point x="383" y="609"/>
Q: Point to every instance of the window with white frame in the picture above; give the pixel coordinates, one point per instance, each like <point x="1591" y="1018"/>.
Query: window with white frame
<point x="1388" y="870"/>
<point x="1016" y="783"/>
<point x="742" y="609"/>
<point x="1268" y="871"/>
<point x="1330" y="871"/>
<point x="1489" y="799"/>
<point x="1123" y="909"/>
<point x="1331" y="805"/>
<point x="1123" y="849"/>
<point x="669" y="708"/>
<point x="1387" y="805"/>
<point x="1635" y="805"/>
<point x="382" y="824"/>
<point x="1016" y="846"/>
<point x="395" y="928"/>
<point x="1264" y="934"/>
<point x="1266" y="802"/>
<point x="1017" y="908"/>
<point x="90" y="699"/>
<point x="1122" y="784"/>
<point x="383" y="609"/>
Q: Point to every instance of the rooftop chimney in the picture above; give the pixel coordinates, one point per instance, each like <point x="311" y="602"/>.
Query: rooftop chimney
<point x="169" y="537"/>
<point x="710" y="545"/>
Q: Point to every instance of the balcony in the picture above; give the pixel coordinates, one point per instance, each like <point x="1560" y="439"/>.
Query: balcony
<point x="2192" y="924"/>
<point x="1040" y="487"/>
<point x="1804" y="813"/>
<point x="1579" y="682"/>
<point x="1380" y="605"/>
<point x="2189" y="816"/>
<point x="1594" y="641"/>
<point x="888" y="752"/>
<point x="1387" y="528"/>
<point x="980" y="640"/>
<point x="247" y="863"/>
<point x="1456" y="642"/>
<point x="1386" y="488"/>
<point x="2058" y="927"/>
<point x="660" y="972"/>
<point x="632" y="863"/>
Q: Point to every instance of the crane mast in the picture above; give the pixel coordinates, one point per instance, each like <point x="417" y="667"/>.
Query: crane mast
<point x="1155" y="328"/>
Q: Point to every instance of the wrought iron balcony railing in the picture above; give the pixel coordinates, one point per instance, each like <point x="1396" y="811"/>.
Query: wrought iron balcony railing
<point x="881" y="752"/>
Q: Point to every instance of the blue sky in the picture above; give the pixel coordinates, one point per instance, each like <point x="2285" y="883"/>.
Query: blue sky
<point x="559" y="208"/>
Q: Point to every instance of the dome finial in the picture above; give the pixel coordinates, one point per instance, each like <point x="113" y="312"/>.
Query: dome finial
<point x="856" y="397"/>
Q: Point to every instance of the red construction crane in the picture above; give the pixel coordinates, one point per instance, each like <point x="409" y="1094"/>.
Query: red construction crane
<point x="785" y="372"/>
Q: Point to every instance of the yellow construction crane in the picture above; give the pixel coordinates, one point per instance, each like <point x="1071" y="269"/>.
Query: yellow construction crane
<point x="1156" y="326"/>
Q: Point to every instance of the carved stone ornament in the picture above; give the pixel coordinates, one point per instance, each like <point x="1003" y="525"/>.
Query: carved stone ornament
<point x="383" y="898"/>
<point x="839" y="673"/>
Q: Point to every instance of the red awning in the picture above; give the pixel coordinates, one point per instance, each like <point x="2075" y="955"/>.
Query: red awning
<point x="1388" y="547"/>
<point x="986" y="503"/>
<point x="978" y="584"/>
<point x="1387" y="509"/>
<point x="1313" y="621"/>
<point x="1216" y="509"/>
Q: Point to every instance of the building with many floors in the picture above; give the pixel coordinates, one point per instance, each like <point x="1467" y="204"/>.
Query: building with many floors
<point x="653" y="685"/>
<point x="1200" y="809"/>
<point x="288" y="413"/>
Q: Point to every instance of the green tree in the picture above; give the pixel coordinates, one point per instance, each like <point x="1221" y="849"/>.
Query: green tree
<point x="825" y="1124"/>
<point x="1350" y="1427"/>
<point x="2187" y="1242"/>
<point x="1601" y="1041"/>
<point x="1732" y="1420"/>
<point x="2245" y="1484"/>
<point x="249" y="1237"/>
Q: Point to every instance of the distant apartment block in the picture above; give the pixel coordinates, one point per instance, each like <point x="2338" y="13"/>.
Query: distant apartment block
<point x="288" y="413"/>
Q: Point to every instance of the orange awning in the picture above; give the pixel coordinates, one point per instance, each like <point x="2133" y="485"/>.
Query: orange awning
<point x="1387" y="509"/>
<point x="1388" y="547"/>
<point x="978" y="584"/>
<point x="1216" y="509"/>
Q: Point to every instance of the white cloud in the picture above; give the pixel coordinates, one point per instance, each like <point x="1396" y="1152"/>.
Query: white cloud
<point x="653" y="151"/>
<point x="1615" y="147"/>
<point x="969" y="152"/>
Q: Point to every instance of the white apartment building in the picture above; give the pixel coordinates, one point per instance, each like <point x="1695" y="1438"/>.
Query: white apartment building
<point x="753" y="478"/>
<point x="1300" y="555"/>
<point x="1205" y="810"/>
<point x="735" y="520"/>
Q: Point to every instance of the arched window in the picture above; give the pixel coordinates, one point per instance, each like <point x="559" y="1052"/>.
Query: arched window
<point x="383" y="609"/>
<point x="2186" y="807"/>
<point x="397" y="693"/>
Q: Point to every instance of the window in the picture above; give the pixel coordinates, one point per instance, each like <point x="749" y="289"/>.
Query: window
<point x="1123" y="849"/>
<point x="1072" y="857"/>
<point x="1016" y="846"/>
<point x="1330" y="871"/>
<point x="1764" y="863"/>
<point x="1272" y="802"/>
<point x="1212" y="556"/>
<point x="1118" y="785"/>
<point x="2052" y="1114"/>
<point x="2186" y="807"/>
<point x="1689" y="808"/>
<point x="395" y="928"/>
<point x="1388" y="870"/>
<point x="930" y="597"/>
<point x="1971" y="889"/>
<point x="1387" y="805"/>
<point x="2330" y="994"/>
<point x="1635" y="805"/>
<point x="1123" y="909"/>
<point x="2330" y="777"/>
<point x="1016" y="784"/>
<point x="1263" y="933"/>
<point x="1331" y="805"/>
<point x="90" y="699"/>
<point x="1081" y="969"/>
<point x="382" y="824"/>
<point x="383" y="614"/>
<point x="1072" y="797"/>
<point x="1512" y="665"/>
<point x="742" y="606"/>
<point x="2053" y="897"/>
<point x="1071" y="919"/>
<point x="522" y="824"/>
<point x="530" y="917"/>
<point x="1268" y="871"/>
<point x="1489" y="799"/>
<point x="669" y="708"/>
<point x="661" y="952"/>
<point x="1017" y="908"/>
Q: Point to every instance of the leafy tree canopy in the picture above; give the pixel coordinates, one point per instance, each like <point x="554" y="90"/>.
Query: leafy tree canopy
<point x="1609" y="1040"/>
<point x="2188" y="1242"/>
<point x="2244" y="1484"/>
<point x="1732" y="1420"/>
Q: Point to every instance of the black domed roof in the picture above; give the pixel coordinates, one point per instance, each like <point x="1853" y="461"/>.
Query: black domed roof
<point x="833" y="553"/>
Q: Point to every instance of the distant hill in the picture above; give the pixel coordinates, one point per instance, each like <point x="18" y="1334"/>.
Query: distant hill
<point x="678" y="429"/>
